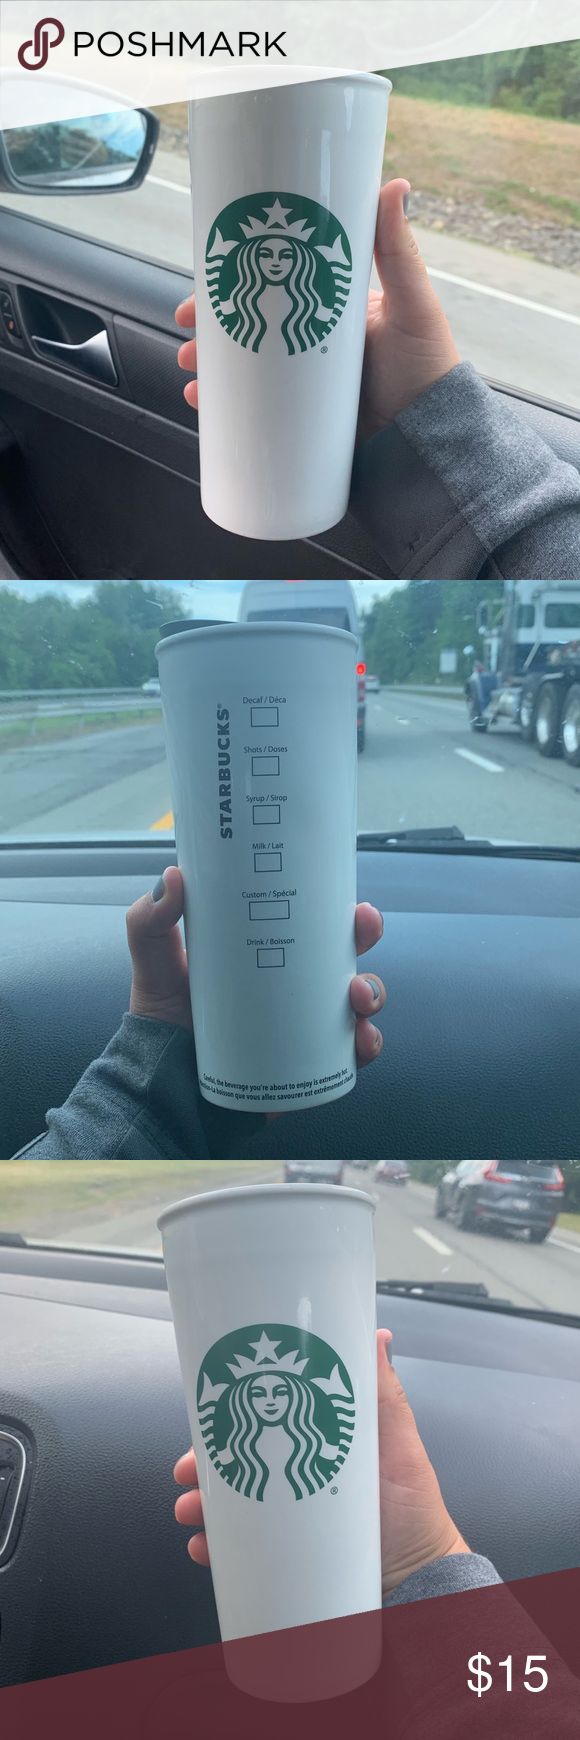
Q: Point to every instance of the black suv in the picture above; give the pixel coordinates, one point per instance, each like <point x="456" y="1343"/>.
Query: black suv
<point x="518" y="1193"/>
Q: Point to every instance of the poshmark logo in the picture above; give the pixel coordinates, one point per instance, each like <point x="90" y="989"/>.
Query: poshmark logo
<point x="175" y="44"/>
<point x="276" y="1406"/>
<point x="48" y="33"/>
<point x="278" y="261"/>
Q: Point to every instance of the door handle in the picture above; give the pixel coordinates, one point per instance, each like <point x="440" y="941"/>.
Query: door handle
<point x="92" y="358"/>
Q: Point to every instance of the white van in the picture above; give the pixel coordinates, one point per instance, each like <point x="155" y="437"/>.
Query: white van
<point x="324" y="601"/>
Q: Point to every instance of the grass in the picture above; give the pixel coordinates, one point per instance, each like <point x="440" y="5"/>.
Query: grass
<point x="55" y="727"/>
<point x="40" y="1197"/>
<point x="516" y="164"/>
<point x="513" y="163"/>
<point x="569" y="1222"/>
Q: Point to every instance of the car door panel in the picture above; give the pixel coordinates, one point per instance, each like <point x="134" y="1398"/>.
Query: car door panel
<point x="104" y="479"/>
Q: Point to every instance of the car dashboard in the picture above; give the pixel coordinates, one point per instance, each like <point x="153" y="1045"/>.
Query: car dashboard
<point x="97" y="1570"/>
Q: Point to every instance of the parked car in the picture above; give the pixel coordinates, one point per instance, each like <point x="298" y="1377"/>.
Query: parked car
<point x="313" y="1172"/>
<point x="392" y="1172"/>
<point x="373" y="686"/>
<point x="151" y="687"/>
<point x="361" y="1165"/>
<point x="516" y="1194"/>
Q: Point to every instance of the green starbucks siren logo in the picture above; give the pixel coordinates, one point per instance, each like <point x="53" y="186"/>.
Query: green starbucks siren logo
<point x="276" y="260"/>
<point x="275" y="1405"/>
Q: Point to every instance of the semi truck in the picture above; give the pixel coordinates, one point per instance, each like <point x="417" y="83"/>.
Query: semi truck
<point x="318" y="601"/>
<point x="528" y="668"/>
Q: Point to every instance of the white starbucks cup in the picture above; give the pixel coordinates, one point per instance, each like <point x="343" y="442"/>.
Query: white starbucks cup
<point x="261" y="742"/>
<point x="273" y="1297"/>
<point x="285" y="184"/>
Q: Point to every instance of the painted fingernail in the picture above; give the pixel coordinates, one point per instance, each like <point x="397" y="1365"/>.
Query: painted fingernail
<point x="375" y="988"/>
<point x="406" y="198"/>
<point x="159" y="889"/>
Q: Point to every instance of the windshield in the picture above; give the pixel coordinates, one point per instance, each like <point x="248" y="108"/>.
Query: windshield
<point x="471" y="720"/>
<point x="528" y="1256"/>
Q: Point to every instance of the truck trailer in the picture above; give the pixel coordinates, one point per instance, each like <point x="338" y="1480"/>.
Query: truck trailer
<point x="528" y="671"/>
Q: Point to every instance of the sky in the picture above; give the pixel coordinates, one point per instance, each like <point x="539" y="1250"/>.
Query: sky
<point x="195" y="594"/>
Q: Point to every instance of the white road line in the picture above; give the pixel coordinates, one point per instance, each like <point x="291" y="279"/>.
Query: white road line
<point x="564" y="1246"/>
<point x="479" y="761"/>
<point x="505" y="296"/>
<point x="435" y="1244"/>
<point x="174" y="186"/>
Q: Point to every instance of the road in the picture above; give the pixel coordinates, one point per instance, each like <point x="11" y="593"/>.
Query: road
<point x="421" y="767"/>
<point x="410" y="1243"/>
<point x="514" y="318"/>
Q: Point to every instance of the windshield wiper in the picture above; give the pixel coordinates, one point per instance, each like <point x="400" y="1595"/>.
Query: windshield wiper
<point x="381" y="841"/>
<point x="472" y="1290"/>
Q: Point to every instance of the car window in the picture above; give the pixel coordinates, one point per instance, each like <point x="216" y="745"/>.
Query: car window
<point x="491" y="146"/>
<point x="115" y="1204"/>
<point x="451" y="735"/>
<point x="563" y="615"/>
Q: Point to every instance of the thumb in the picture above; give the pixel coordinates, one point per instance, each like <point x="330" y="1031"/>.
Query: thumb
<point x="152" y="918"/>
<point x="402" y="1453"/>
<point x="402" y="271"/>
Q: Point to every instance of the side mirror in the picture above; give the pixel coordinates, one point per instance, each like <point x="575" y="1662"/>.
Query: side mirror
<point x="95" y="154"/>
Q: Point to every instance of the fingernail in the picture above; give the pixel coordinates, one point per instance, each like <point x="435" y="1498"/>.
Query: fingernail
<point x="159" y="889"/>
<point x="378" y="1040"/>
<point x="406" y="198"/>
<point x="375" y="988"/>
<point x="382" y="926"/>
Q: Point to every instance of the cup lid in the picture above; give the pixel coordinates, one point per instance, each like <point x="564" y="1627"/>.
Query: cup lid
<point x="184" y="623"/>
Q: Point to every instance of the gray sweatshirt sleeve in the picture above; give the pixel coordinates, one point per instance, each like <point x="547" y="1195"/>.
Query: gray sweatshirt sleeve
<point x="448" y="1576"/>
<point x="458" y="487"/>
<point x="139" y="1101"/>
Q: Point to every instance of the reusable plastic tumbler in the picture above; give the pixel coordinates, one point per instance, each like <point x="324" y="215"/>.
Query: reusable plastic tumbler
<point x="273" y="1296"/>
<point x="261" y="743"/>
<point x="285" y="183"/>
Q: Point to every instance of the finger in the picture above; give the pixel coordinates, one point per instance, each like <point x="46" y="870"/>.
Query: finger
<point x="185" y="313"/>
<point x="187" y="355"/>
<point x="185" y="1471"/>
<point x="190" y="394"/>
<point x="188" y="1509"/>
<point x="198" y="1550"/>
<point x="370" y="927"/>
<point x="369" y="1043"/>
<point x="368" y="995"/>
<point x="152" y="918"/>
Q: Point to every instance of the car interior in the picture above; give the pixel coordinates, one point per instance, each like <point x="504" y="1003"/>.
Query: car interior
<point x="99" y="460"/>
<point x="479" y="956"/>
<point x="92" y="1419"/>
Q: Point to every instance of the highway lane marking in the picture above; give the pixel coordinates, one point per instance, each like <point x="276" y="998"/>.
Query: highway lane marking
<point x="564" y="1246"/>
<point x="479" y="761"/>
<point x="505" y="296"/>
<point x="174" y="186"/>
<point x="435" y="1244"/>
<point x="163" y="825"/>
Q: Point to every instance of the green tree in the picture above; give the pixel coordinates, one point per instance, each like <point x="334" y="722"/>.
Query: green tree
<point x="107" y="641"/>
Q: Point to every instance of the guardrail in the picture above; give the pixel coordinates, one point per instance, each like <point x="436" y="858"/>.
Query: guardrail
<point x="457" y="693"/>
<point x="34" y="703"/>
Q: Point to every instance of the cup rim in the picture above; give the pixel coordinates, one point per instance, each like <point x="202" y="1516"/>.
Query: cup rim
<point x="316" y="628"/>
<point x="190" y="1204"/>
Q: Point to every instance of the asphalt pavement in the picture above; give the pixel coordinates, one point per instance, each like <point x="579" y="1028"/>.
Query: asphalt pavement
<point x="421" y="767"/>
<point x="516" y="319"/>
<point x="410" y="1243"/>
